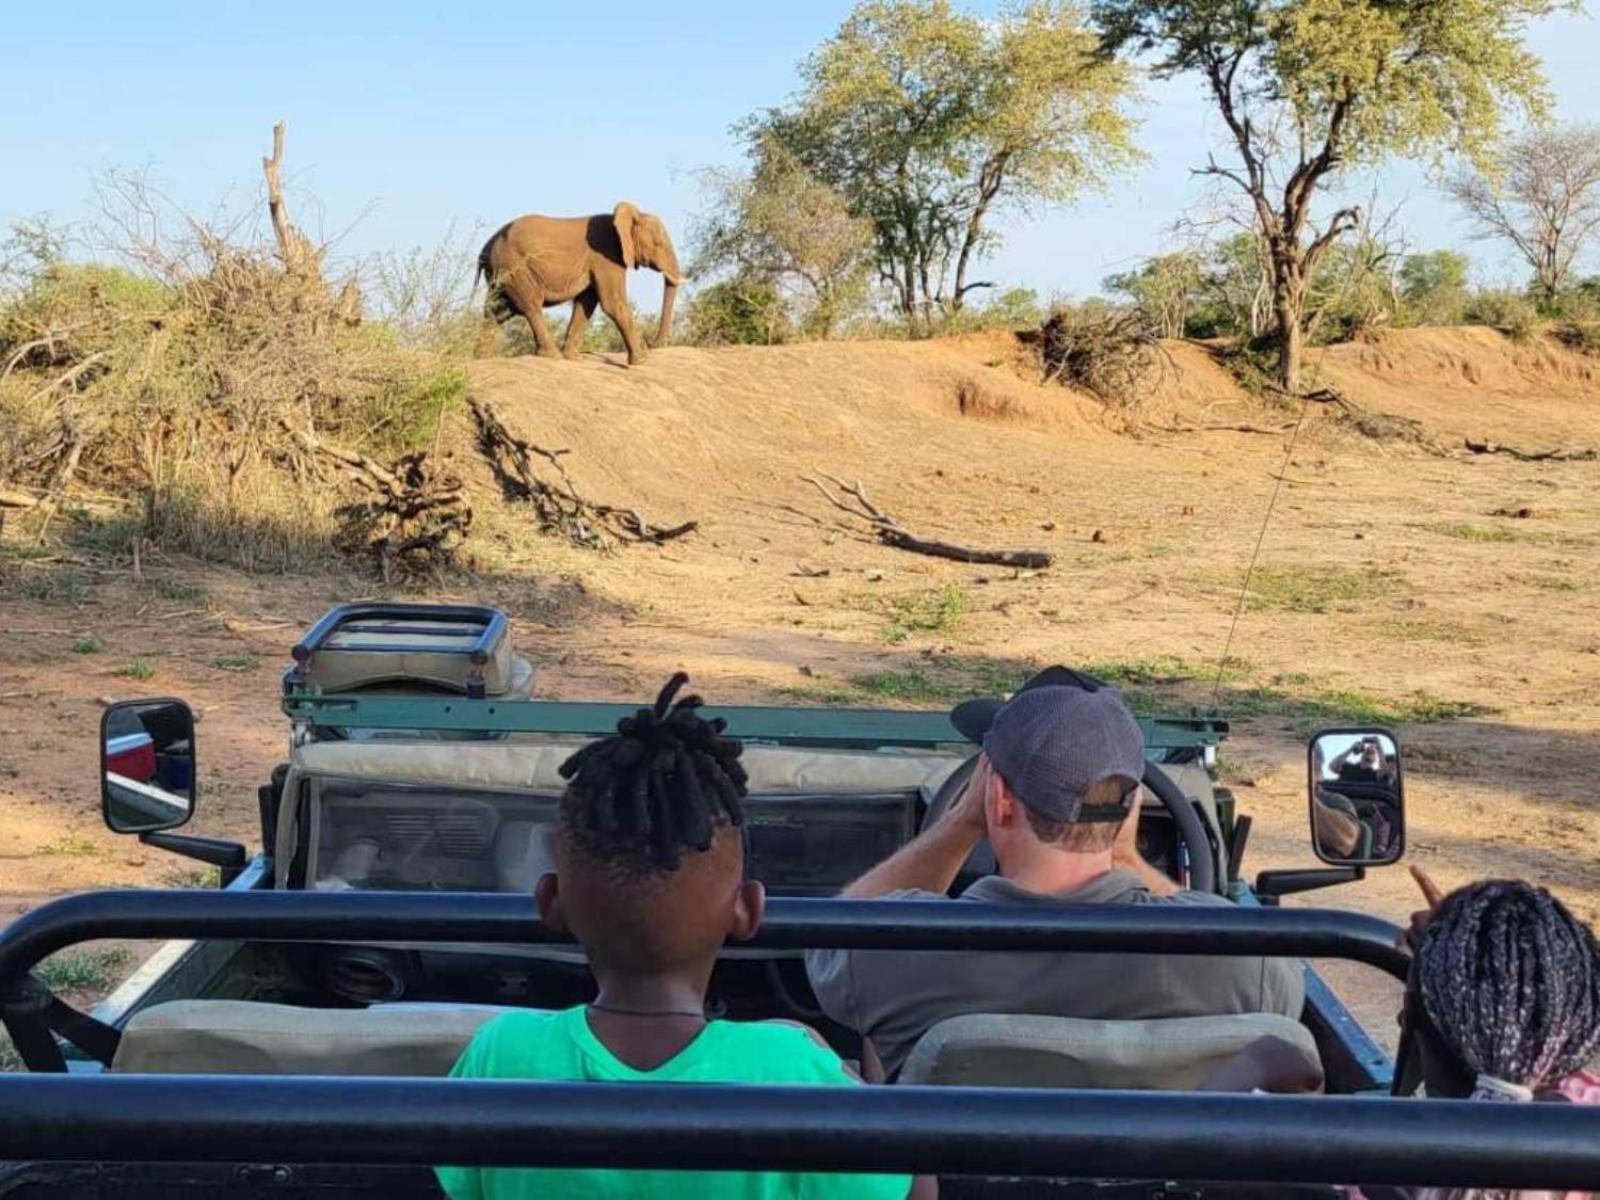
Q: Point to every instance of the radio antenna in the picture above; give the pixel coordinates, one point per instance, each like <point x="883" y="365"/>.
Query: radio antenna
<point x="1244" y="590"/>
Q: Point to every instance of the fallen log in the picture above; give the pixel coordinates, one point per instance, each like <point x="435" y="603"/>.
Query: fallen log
<point x="1482" y="446"/>
<point x="1227" y="427"/>
<point x="891" y="533"/>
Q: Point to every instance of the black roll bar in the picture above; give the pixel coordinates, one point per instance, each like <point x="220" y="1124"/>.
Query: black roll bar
<point x="791" y="923"/>
<point x="949" y="1131"/>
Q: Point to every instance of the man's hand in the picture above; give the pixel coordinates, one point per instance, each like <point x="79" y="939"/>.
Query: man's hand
<point x="931" y="860"/>
<point x="967" y="812"/>
<point x="1432" y="897"/>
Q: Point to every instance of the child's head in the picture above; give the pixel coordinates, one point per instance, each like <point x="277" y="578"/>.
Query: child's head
<point x="649" y="854"/>
<point x="1509" y="980"/>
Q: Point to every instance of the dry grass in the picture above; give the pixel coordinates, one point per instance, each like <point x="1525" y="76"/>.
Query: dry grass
<point x="171" y="377"/>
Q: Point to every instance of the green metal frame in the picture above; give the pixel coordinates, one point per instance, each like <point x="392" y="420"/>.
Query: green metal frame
<point x="836" y="728"/>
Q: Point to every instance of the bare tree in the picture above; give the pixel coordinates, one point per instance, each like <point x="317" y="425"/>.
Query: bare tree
<point x="1547" y="204"/>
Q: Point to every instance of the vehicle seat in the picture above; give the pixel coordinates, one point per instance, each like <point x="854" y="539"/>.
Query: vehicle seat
<point x="1170" y="1054"/>
<point x="243" y="1037"/>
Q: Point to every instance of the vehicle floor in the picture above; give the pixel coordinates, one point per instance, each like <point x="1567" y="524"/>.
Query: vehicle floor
<point x="1388" y="584"/>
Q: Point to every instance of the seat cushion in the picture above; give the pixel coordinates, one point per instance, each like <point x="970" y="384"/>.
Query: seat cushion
<point x="1174" y="1053"/>
<point x="241" y="1037"/>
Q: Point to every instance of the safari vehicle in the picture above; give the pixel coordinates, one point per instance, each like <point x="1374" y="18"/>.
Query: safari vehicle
<point x="386" y="917"/>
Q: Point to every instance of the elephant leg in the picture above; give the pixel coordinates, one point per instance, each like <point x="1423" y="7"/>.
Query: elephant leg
<point x="528" y="299"/>
<point x="616" y="307"/>
<point x="541" y="333"/>
<point x="582" y="309"/>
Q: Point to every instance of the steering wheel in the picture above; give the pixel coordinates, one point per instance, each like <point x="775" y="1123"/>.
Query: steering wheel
<point x="1202" y="864"/>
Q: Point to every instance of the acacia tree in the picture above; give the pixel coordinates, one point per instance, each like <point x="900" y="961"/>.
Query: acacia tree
<point x="1307" y="87"/>
<point x="929" y="121"/>
<point x="781" y="229"/>
<point x="1544" y="200"/>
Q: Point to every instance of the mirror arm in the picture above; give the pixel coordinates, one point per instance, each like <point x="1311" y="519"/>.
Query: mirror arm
<point x="1270" y="885"/>
<point x="230" y="858"/>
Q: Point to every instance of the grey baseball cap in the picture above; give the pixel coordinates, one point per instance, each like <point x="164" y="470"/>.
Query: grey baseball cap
<point x="1052" y="743"/>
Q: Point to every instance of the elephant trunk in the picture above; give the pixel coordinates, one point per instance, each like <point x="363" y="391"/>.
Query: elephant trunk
<point x="669" y="296"/>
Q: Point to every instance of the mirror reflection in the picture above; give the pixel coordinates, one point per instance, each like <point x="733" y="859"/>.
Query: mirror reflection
<point x="1357" y="810"/>
<point x="147" y="775"/>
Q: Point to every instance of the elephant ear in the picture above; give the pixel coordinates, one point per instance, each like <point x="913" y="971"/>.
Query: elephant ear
<point x="625" y="216"/>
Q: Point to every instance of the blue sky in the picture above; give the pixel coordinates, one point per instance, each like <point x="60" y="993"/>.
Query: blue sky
<point x="404" y="117"/>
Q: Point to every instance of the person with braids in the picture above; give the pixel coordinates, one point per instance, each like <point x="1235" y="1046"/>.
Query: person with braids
<point x="1503" y="1005"/>
<point x="649" y="877"/>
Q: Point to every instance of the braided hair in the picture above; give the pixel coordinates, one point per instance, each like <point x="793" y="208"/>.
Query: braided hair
<point x="1511" y="980"/>
<point x="665" y="782"/>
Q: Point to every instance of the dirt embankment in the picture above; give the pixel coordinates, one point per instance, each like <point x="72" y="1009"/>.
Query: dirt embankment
<point x="1393" y="582"/>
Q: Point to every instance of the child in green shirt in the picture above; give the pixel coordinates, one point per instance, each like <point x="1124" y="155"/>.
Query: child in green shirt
<point x="650" y="878"/>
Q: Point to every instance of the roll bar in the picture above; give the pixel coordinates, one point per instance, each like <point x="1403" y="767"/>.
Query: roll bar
<point x="791" y="923"/>
<point x="949" y="1131"/>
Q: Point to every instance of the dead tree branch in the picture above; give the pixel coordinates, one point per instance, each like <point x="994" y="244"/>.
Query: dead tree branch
<point x="418" y="514"/>
<point x="891" y="533"/>
<point x="1586" y="454"/>
<point x="560" y="507"/>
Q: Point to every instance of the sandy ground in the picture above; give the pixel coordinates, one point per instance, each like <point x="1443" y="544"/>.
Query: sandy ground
<point x="1387" y="579"/>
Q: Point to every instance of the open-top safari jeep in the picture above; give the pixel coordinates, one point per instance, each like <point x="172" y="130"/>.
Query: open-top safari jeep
<point x="386" y="917"/>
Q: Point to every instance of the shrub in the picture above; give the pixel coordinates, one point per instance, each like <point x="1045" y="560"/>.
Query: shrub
<point x="1509" y="311"/>
<point x="738" y="313"/>
<point x="177" y="380"/>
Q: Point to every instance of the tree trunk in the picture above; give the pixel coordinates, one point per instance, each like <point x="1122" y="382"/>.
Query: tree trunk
<point x="1288" y="313"/>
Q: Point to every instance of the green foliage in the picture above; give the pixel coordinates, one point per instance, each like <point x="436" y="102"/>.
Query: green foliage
<point x="1315" y="589"/>
<point x="1167" y="289"/>
<point x="783" y="230"/>
<point x="1434" y="287"/>
<point x="137" y="668"/>
<point x="737" y="312"/>
<point x="56" y="585"/>
<point x="1339" y="83"/>
<point x="88" y="645"/>
<point x="944" y="680"/>
<point x="236" y="662"/>
<point x="1014" y="308"/>
<point x="70" y="845"/>
<point x="1511" y="312"/>
<point x="91" y="970"/>
<point x="927" y="612"/>
<point x="926" y="120"/>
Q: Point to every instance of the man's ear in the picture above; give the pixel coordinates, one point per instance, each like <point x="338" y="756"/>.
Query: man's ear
<point x="547" y="895"/>
<point x="1001" y="806"/>
<point x="749" y="906"/>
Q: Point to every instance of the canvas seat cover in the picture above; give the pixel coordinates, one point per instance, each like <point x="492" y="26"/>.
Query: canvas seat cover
<point x="243" y="1037"/>
<point x="1169" y="1054"/>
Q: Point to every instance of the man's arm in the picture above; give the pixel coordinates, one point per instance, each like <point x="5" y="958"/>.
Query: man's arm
<point x="929" y="861"/>
<point x="1125" y="853"/>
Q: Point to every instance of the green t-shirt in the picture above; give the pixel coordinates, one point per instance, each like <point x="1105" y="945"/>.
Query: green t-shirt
<point x="560" y="1046"/>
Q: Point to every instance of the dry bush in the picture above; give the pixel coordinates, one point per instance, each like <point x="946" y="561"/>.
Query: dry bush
<point x="1112" y="353"/>
<point x="172" y="379"/>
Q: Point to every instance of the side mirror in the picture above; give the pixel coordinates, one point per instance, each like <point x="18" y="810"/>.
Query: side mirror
<point x="1357" y="790"/>
<point x="147" y="765"/>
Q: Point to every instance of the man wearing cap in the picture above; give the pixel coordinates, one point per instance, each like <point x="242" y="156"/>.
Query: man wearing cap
<point x="1056" y="792"/>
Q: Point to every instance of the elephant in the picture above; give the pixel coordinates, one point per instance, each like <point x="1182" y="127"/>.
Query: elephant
<point x="535" y="262"/>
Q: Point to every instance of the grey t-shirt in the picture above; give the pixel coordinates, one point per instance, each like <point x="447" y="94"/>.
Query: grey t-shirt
<point x="896" y="996"/>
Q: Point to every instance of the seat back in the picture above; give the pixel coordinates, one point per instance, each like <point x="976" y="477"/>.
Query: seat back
<point x="1175" y="1053"/>
<point x="242" y="1037"/>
